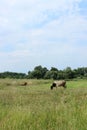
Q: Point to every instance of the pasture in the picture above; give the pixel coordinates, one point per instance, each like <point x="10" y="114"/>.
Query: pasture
<point x="36" y="107"/>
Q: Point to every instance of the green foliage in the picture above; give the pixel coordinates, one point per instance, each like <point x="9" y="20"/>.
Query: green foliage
<point x="12" y="75"/>
<point x="54" y="69"/>
<point x="69" y="74"/>
<point x="51" y="75"/>
<point x="43" y="73"/>
<point x="40" y="72"/>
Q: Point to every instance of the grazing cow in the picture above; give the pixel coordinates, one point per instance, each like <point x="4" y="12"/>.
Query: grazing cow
<point x="24" y="84"/>
<point x="61" y="83"/>
<point x="8" y="84"/>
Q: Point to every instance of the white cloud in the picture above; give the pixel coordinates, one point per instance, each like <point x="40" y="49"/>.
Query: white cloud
<point x="42" y="32"/>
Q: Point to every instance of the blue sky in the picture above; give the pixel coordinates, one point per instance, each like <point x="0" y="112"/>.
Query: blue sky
<point x="42" y="32"/>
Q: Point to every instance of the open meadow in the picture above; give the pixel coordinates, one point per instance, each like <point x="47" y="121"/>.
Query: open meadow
<point x="37" y="107"/>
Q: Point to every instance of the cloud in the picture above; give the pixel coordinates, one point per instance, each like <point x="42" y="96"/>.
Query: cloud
<point x="51" y="33"/>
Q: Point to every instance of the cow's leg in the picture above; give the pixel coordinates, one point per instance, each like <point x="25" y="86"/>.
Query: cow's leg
<point x="64" y="86"/>
<point x="51" y="87"/>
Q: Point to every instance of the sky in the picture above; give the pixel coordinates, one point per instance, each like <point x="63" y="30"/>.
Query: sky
<point x="50" y="33"/>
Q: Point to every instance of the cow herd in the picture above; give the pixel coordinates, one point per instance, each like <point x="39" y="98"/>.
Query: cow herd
<point x="55" y="84"/>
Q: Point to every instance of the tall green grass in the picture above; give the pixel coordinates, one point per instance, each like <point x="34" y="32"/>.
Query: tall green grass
<point x="36" y="107"/>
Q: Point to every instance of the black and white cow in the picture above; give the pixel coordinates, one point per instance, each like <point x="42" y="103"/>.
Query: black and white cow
<point x="60" y="83"/>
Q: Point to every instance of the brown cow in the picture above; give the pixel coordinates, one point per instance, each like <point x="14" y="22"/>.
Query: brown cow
<point x="24" y="84"/>
<point x="61" y="83"/>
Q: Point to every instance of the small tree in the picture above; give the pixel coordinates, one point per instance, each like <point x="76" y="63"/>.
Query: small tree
<point x="38" y="72"/>
<point x="68" y="73"/>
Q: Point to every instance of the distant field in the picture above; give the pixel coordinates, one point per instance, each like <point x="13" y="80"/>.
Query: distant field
<point x="36" y="107"/>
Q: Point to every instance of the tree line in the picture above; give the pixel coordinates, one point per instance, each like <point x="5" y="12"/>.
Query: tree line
<point x="40" y="72"/>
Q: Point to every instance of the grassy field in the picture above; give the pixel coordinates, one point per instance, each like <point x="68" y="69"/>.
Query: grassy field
<point x="36" y="107"/>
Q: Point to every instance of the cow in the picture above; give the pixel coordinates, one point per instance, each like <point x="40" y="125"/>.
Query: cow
<point x="24" y="84"/>
<point x="60" y="83"/>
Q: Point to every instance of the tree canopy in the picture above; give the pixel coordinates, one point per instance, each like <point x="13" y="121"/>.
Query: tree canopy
<point x="40" y="72"/>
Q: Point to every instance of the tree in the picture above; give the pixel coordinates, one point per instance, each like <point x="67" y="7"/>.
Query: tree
<point x="47" y="75"/>
<point x="68" y="73"/>
<point x="52" y="74"/>
<point x="12" y="75"/>
<point x="60" y="75"/>
<point x="54" y="69"/>
<point x="38" y="72"/>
